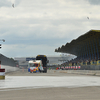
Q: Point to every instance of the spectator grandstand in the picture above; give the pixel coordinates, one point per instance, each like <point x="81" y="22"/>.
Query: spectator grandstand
<point x="86" y="48"/>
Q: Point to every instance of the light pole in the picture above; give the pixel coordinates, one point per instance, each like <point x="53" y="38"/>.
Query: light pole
<point x="0" y="48"/>
<point x="2" y="40"/>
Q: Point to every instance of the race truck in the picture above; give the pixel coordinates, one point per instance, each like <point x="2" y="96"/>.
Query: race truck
<point x="44" y="60"/>
<point x="35" y="66"/>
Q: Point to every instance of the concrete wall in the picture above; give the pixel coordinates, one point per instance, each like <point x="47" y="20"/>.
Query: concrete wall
<point x="90" y="67"/>
<point x="81" y="72"/>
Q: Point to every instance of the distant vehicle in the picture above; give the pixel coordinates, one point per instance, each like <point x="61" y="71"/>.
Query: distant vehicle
<point x="35" y="66"/>
<point x="44" y="60"/>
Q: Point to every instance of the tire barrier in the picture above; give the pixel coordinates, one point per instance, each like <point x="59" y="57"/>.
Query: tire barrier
<point x="2" y="73"/>
<point x="70" y="68"/>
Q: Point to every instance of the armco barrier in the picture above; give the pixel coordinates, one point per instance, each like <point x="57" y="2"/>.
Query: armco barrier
<point x="2" y="73"/>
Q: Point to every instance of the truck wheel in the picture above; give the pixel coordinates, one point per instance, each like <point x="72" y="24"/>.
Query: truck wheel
<point x="45" y="71"/>
<point x="39" y="70"/>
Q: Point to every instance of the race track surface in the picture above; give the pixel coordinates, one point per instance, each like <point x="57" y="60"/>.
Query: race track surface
<point x="54" y="85"/>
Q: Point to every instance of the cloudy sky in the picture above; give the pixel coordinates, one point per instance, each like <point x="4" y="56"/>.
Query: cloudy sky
<point x="35" y="27"/>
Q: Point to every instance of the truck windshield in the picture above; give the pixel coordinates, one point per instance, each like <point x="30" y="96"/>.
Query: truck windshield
<point x="33" y="65"/>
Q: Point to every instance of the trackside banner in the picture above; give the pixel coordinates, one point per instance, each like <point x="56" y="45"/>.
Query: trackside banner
<point x="2" y="72"/>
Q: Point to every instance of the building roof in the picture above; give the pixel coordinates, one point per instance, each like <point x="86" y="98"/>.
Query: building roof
<point x="75" y="46"/>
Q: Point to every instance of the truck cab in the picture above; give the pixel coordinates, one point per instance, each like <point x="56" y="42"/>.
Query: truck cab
<point x="35" y="66"/>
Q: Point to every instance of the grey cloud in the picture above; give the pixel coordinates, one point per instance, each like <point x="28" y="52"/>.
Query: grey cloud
<point x="17" y="2"/>
<point x="6" y="3"/>
<point x="94" y="2"/>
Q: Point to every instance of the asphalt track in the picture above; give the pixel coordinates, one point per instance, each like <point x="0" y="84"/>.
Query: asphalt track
<point x="75" y="87"/>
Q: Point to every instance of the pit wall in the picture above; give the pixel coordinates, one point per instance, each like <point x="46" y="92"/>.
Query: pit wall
<point x="81" y="72"/>
<point x="9" y="68"/>
<point x="84" y="70"/>
<point x="91" y="67"/>
<point x="83" y="67"/>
